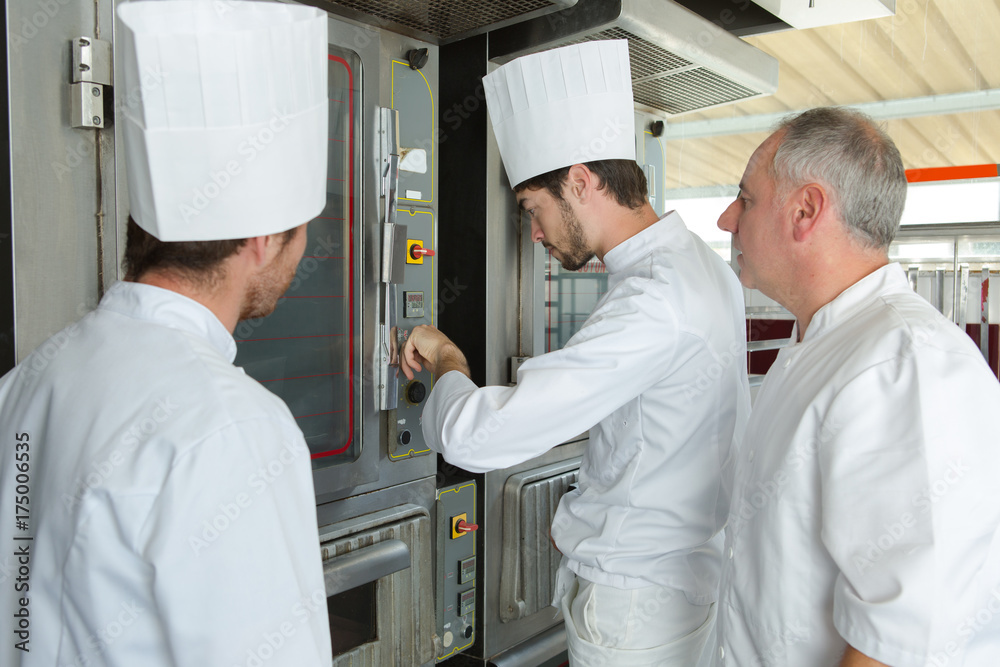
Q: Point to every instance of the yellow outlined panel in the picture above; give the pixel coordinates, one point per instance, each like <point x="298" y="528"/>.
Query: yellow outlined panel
<point x="433" y="139"/>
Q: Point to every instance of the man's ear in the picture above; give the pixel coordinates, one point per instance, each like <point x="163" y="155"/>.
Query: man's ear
<point x="580" y="183"/>
<point x="257" y="249"/>
<point x="810" y="206"/>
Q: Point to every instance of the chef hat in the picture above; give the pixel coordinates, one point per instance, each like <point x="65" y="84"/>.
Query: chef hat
<point x="562" y="107"/>
<point x="224" y="115"/>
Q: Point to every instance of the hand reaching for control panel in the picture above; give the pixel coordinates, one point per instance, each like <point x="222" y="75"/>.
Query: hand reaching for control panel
<point x="428" y="348"/>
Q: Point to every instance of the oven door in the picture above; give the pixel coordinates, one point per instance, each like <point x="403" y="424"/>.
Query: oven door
<point x="379" y="585"/>
<point x="310" y="351"/>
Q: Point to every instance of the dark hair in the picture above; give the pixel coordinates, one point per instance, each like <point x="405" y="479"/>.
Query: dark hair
<point x="623" y="179"/>
<point x="199" y="262"/>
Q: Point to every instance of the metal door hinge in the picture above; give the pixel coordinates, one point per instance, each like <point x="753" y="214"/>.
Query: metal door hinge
<point x="90" y="89"/>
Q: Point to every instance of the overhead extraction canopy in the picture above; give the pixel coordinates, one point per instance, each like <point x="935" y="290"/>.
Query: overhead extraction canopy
<point x="680" y="61"/>
<point x="803" y="14"/>
<point x="441" y="21"/>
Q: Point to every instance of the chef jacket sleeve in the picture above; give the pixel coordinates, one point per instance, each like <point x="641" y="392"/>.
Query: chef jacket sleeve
<point x="624" y="347"/>
<point x="903" y="510"/>
<point x="234" y="548"/>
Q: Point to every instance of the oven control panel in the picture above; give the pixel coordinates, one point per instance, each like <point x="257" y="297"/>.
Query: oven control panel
<point x="456" y="568"/>
<point x="416" y="297"/>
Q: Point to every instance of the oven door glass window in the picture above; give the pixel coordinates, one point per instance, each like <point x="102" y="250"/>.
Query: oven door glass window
<point x="305" y="351"/>
<point x="570" y="297"/>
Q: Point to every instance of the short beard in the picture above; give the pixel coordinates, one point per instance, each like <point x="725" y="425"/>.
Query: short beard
<point x="266" y="288"/>
<point x="577" y="254"/>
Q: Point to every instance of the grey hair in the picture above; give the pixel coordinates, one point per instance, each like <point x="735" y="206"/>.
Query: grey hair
<point x="855" y="159"/>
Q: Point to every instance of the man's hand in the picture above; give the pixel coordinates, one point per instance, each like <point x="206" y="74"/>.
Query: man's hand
<point x="429" y="348"/>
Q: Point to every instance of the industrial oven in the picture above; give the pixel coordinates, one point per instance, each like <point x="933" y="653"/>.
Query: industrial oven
<point x="423" y="562"/>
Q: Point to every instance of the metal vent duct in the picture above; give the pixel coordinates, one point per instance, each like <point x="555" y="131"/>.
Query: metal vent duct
<point x="680" y="61"/>
<point x="443" y="21"/>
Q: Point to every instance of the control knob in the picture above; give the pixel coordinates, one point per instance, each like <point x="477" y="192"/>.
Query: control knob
<point x="417" y="251"/>
<point x="416" y="392"/>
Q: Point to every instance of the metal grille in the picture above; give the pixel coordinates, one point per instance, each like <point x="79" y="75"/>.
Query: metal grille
<point x="404" y="600"/>
<point x="663" y="80"/>
<point x="529" y="560"/>
<point x="688" y="91"/>
<point x="645" y="58"/>
<point x="446" y="18"/>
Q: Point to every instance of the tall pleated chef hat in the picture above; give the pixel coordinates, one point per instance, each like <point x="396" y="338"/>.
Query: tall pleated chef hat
<point x="562" y="107"/>
<point x="224" y="107"/>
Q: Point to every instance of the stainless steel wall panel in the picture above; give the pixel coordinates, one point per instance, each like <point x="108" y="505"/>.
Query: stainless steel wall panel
<point x="59" y="202"/>
<point x="529" y="560"/>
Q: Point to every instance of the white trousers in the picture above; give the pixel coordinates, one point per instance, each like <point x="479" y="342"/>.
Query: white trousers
<point x="643" y="627"/>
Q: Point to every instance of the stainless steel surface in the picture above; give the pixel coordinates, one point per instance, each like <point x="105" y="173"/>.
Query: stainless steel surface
<point x="60" y="208"/>
<point x="365" y="565"/>
<point x="962" y="311"/>
<point x="756" y="380"/>
<point x="90" y="79"/>
<point x="535" y="650"/>
<point x="937" y="290"/>
<point x="913" y="274"/>
<point x="91" y="60"/>
<point x="404" y="610"/>
<point x="86" y="109"/>
<point x="529" y="561"/>
<point x="680" y="61"/>
<point x="442" y="21"/>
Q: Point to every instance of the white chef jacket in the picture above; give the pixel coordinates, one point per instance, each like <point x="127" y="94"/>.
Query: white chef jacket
<point x="170" y="513"/>
<point x="658" y="375"/>
<point x="865" y="505"/>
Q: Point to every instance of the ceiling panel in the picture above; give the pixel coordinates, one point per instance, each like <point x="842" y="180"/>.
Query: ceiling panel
<point x="930" y="47"/>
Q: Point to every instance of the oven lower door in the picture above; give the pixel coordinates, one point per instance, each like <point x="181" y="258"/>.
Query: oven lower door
<point x="378" y="573"/>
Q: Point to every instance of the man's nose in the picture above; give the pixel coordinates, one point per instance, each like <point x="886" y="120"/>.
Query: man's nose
<point x="536" y="232"/>
<point x="729" y="218"/>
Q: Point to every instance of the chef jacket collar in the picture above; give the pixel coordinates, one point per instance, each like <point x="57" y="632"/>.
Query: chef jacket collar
<point x="168" y="308"/>
<point x="633" y="249"/>
<point x="884" y="280"/>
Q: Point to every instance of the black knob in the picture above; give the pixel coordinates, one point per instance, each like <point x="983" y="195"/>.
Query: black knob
<point x="416" y="392"/>
<point x="404" y="438"/>
<point x="656" y="128"/>
<point x="467" y="631"/>
<point x="417" y="58"/>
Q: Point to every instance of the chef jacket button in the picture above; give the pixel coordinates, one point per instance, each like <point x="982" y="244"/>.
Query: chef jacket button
<point x="750" y="455"/>
<point x="730" y="553"/>
<point x="787" y="361"/>
<point x="722" y="653"/>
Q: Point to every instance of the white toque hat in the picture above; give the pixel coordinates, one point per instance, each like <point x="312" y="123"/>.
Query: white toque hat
<point x="562" y="107"/>
<point x="224" y="108"/>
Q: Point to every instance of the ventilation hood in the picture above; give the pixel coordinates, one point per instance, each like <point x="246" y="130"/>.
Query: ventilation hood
<point x="804" y="14"/>
<point x="680" y="61"/>
<point x="441" y="21"/>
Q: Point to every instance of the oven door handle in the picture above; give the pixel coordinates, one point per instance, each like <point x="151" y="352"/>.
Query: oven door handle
<point x="365" y="565"/>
